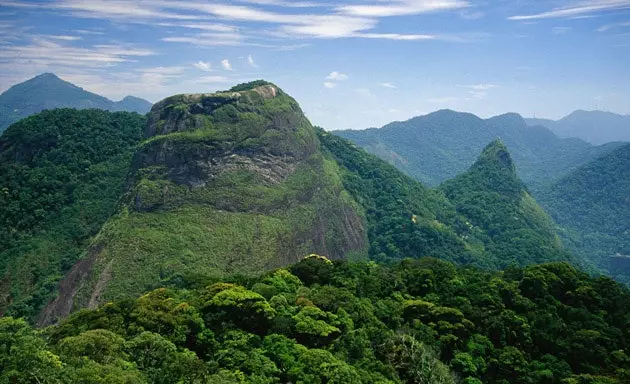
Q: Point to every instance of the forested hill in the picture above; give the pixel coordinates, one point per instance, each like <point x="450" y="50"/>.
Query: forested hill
<point x="593" y="204"/>
<point x="418" y="321"/>
<point x="492" y="197"/>
<point x="61" y="176"/>
<point x="226" y="182"/>
<point x="443" y="144"/>
<point x="47" y="91"/>
<point x="484" y="217"/>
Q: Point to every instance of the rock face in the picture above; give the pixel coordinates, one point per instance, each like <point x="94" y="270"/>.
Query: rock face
<point x="227" y="182"/>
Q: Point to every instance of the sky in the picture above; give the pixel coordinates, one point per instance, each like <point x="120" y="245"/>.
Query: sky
<point x="350" y="64"/>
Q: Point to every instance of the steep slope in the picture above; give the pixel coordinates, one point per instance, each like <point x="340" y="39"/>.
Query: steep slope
<point x="443" y="144"/>
<point x="226" y="182"/>
<point x="47" y="91"/>
<point x="61" y="176"/>
<point x="405" y="219"/>
<point x="593" y="204"/>
<point x="492" y="197"/>
<point x="596" y="127"/>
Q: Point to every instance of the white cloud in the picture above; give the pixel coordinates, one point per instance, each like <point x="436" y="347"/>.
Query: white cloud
<point x="48" y="52"/>
<point x="388" y="85"/>
<point x="203" y="65"/>
<point x="208" y="39"/>
<point x="402" y="7"/>
<point x="63" y="37"/>
<point x="250" y="61"/>
<point x="225" y="63"/>
<point x="608" y="27"/>
<point x="337" y="76"/>
<point x="394" y="36"/>
<point x="578" y="9"/>
<point x="329" y="84"/>
<point x="349" y="21"/>
<point x="472" y="15"/>
<point x="479" y="87"/>
<point x="560" y="30"/>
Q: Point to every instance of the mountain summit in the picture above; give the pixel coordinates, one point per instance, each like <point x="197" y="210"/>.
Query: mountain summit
<point x="225" y="182"/>
<point x="47" y="91"/>
<point x="493" y="198"/>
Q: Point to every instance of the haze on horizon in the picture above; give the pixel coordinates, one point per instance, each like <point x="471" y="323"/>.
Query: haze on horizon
<point x="350" y="64"/>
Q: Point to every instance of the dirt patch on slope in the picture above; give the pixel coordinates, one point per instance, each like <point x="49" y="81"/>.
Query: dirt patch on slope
<point x="63" y="304"/>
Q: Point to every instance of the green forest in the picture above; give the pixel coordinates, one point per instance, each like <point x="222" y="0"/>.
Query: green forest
<point x="170" y="248"/>
<point x="416" y="321"/>
<point x="62" y="175"/>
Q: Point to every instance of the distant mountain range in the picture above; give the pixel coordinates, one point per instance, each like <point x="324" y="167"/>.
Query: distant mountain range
<point x="443" y="144"/>
<point x="596" y="127"/>
<point x="47" y="91"/>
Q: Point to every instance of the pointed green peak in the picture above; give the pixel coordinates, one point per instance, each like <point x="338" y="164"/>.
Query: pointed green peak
<point x="496" y="156"/>
<point x="493" y="171"/>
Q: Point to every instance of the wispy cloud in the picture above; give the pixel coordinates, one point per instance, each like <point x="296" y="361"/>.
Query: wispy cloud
<point x="50" y="52"/>
<point x="337" y="76"/>
<point x="63" y="37"/>
<point x="208" y="39"/>
<point x="608" y="27"/>
<point x="225" y="63"/>
<point x="329" y="84"/>
<point x="344" y="21"/>
<point x="388" y="85"/>
<point x="402" y="7"/>
<point x="479" y="87"/>
<point x="203" y="65"/>
<point x="250" y="61"/>
<point x="580" y="8"/>
<point x="560" y="30"/>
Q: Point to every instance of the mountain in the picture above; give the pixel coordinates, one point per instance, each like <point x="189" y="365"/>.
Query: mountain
<point x="62" y="173"/>
<point x="492" y="197"/>
<point x="231" y="182"/>
<point x="228" y="182"/>
<point x="443" y="144"/>
<point x="596" y="127"/>
<point x="47" y="91"/>
<point x="593" y="205"/>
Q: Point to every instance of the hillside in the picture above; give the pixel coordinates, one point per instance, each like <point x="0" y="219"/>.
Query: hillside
<point x="593" y="204"/>
<point x="418" y="321"/>
<point x="492" y="197"/>
<point x="228" y="182"/>
<point x="47" y="91"/>
<point x="61" y="176"/>
<point x="443" y="144"/>
<point x="595" y="127"/>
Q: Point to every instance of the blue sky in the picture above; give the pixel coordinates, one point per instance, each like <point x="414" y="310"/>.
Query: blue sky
<point x="350" y="64"/>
